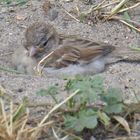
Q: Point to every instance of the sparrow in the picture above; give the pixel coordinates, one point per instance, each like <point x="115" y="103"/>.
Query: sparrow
<point x="72" y="55"/>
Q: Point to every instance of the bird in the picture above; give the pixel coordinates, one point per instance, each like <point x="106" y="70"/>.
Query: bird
<point x="72" y="55"/>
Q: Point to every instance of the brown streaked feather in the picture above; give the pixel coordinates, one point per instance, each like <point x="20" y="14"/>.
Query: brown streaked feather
<point x="75" y="50"/>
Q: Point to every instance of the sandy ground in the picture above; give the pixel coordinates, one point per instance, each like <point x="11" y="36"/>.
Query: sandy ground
<point x="15" y="19"/>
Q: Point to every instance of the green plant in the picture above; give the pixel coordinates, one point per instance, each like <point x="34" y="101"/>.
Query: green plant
<point x="16" y="2"/>
<point x="51" y="91"/>
<point x="93" y="104"/>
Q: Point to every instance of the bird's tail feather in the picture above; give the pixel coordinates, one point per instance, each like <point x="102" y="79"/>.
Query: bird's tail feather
<point x="123" y="54"/>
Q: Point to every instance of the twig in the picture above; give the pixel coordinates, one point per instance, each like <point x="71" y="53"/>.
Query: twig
<point x="3" y="112"/>
<point x="41" y="61"/>
<point x="133" y="22"/>
<point x="68" y="12"/>
<point x="109" y="4"/>
<point x="96" y="7"/>
<point x="127" y="138"/>
<point x="35" y="128"/>
<point x="99" y="5"/>
<point x="52" y="110"/>
<point x="128" y="20"/>
<point x="125" y="21"/>
<point x="58" y="106"/>
<point x="116" y="8"/>
<point x="68" y="133"/>
<point x="128" y="8"/>
<point x="129" y="25"/>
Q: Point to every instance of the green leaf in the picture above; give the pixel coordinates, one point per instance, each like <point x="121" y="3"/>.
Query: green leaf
<point x="97" y="81"/>
<point x="88" y="122"/>
<point x="92" y="91"/>
<point x="70" y="122"/>
<point x="126" y="15"/>
<point x="89" y="87"/>
<point x="52" y="90"/>
<point x="15" y="2"/>
<point x="8" y="1"/>
<point x="127" y="18"/>
<point x="116" y="108"/>
<point x="21" y="2"/>
<point x="82" y="17"/>
<point x="85" y="119"/>
<point x="112" y="96"/>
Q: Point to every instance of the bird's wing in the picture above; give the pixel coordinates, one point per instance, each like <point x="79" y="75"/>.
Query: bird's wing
<point x="64" y="56"/>
<point x="74" y="51"/>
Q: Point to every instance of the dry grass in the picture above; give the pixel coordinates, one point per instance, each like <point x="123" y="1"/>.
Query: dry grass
<point x="14" y="126"/>
<point x="102" y="11"/>
<point x="14" y="121"/>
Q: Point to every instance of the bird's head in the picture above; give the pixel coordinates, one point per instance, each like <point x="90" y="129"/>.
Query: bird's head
<point x="37" y="36"/>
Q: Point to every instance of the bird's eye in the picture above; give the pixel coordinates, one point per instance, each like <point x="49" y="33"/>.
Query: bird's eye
<point x="43" y="42"/>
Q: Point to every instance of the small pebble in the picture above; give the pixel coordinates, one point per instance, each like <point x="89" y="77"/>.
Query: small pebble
<point x="20" y="90"/>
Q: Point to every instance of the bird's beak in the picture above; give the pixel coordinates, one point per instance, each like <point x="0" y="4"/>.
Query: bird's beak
<point x="32" y="51"/>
